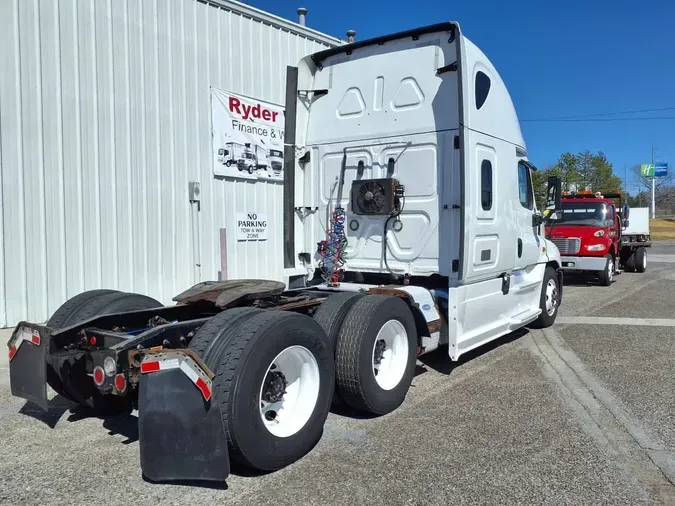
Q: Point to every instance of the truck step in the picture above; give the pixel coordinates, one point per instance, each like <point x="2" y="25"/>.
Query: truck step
<point x="525" y="316"/>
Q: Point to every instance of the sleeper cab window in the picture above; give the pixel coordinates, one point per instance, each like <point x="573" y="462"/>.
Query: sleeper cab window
<point x="482" y="88"/>
<point x="525" y="186"/>
<point x="486" y="185"/>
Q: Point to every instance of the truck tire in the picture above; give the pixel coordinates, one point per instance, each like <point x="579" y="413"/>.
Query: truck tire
<point x="549" y="303"/>
<point x="376" y="353"/>
<point x="640" y="259"/>
<point x="77" y="385"/>
<point x="607" y="275"/>
<point x="274" y="386"/>
<point x="213" y="337"/>
<point x="64" y="316"/>
<point x="331" y="315"/>
<point x="629" y="263"/>
<point x="68" y="312"/>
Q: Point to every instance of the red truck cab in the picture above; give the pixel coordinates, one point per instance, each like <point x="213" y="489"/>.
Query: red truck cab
<point x="589" y="234"/>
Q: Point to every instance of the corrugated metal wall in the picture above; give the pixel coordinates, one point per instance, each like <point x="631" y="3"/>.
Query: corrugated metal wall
<point x="104" y="119"/>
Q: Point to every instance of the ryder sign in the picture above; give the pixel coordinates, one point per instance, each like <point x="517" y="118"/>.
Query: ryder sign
<point x="248" y="137"/>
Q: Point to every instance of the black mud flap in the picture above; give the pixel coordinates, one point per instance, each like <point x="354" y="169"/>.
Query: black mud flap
<point x="180" y="433"/>
<point x="560" y="285"/>
<point x="27" y="367"/>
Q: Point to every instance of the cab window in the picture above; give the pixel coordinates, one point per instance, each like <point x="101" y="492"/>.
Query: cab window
<point x="525" y="187"/>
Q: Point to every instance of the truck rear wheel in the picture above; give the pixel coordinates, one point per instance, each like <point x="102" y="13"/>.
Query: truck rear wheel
<point x="629" y="262"/>
<point x="640" y="259"/>
<point x="375" y="354"/>
<point x="607" y="275"/>
<point x="69" y="310"/>
<point x="72" y="381"/>
<point x="62" y="318"/>
<point x="274" y="386"/>
<point x="212" y="338"/>
<point x="331" y="315"/>
<point x="549" y="303"/>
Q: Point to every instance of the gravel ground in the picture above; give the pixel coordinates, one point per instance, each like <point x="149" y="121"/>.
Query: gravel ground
<point x="574" y="415"/>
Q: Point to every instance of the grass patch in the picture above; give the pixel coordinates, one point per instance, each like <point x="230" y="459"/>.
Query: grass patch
<point x="662" y="230"/>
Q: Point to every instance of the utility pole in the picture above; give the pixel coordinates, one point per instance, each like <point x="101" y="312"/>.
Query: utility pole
<point x="653" y="188"/>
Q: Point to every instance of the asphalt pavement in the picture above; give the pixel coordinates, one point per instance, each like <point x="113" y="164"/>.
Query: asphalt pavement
<point x="582" y="413"/>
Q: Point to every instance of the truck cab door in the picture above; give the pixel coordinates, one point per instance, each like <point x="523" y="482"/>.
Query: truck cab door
<point x="528" y="242"/>
<point x="614" y="221"/>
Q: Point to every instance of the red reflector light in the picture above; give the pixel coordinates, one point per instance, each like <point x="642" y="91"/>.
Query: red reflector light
<point x="149" y="367"/>
<point x="201" y="384"/>
<point x="99" y="375"/>
<point x="92" y="340"/>
<point x="12" y="352"/>
<point x="35" y="339"/>
<point x="120" y="383"/>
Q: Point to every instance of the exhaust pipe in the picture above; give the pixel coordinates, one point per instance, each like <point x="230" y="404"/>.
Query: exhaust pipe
<point x="302" y="14"/>
<point x="350" y="35"/>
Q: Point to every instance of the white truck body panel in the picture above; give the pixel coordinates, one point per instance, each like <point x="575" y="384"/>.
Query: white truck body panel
<point x="401" y="100"/>
<point x="638" y="222"/>
<point x="261" y="157"/>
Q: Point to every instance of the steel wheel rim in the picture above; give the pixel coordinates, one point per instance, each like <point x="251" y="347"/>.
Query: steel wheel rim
<point x="390" y="354"/>
<point x="610" y="269"/>
<point x="644" y="261"/>
<point x="286" y="414"/>
<point x="551" y="297"/>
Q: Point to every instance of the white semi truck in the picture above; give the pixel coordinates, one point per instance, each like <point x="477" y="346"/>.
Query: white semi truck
<point x="240" y="155"/>
<point x="276" y="158"/>
<point x="405" y="164"/>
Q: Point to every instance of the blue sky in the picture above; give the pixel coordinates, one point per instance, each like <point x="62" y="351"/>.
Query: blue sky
<point x="557" y="59"/>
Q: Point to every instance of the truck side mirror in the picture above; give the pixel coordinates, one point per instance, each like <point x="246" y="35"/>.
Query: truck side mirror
<point x="625" y="223"/>
<point x="554" y="193"/>
<point x="626" y="212"/>
<point x="553" y="199"/>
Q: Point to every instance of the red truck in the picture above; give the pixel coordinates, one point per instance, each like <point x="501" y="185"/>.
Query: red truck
<point x="589" y="236"/>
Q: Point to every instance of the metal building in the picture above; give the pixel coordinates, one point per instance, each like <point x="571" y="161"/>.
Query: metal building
<point x="105" y="120"/>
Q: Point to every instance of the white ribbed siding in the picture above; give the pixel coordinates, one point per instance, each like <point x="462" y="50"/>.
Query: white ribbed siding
<point x="105" y="117"/>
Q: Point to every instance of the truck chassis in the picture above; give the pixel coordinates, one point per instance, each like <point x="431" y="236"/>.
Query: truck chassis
<point x="191" y="369"/>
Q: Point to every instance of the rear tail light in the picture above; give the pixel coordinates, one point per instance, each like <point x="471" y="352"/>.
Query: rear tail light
<point x="168" y="360"/>
<point x="99" y="375"/>
<point x="109" y="366"/>
<point x="23" y="334"/>
<point x="120" y="383"/>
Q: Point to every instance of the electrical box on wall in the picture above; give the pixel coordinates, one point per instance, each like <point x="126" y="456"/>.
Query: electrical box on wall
<point x="194" y="191"/>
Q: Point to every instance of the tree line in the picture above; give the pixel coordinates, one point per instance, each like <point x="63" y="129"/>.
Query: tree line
<point x="593" y="171"/>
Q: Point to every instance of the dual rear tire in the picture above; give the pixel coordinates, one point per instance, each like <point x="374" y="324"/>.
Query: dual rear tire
<point x="72" y="381"/>
<point x="276" y="372"/>
<point x="274" y="382"/>
<point x="636" y="260"/>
